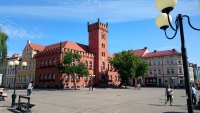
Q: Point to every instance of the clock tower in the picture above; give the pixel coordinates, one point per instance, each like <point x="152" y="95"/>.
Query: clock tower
<point x="98" y="45"/>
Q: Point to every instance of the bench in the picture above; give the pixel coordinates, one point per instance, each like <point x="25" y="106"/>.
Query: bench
<point x="2" y="97"/>
<point x="27" y="106"/>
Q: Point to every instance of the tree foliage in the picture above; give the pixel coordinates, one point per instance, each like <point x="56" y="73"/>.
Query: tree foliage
<point x="3" y="46"/>
<point x="129" y="65"/>
<point x="71" y="65"/>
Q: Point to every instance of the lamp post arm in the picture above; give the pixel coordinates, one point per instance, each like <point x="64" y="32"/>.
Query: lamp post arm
<point x="190" y="23"/>
<point x="171" y="37"/>
<point x="171" y="24"/>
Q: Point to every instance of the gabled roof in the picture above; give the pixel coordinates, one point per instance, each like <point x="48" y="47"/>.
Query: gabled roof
<point x="37" y="47"/>
<point x="70" y="45"/>
<point x="140" y="52"/>
<point x="161" y="53"/>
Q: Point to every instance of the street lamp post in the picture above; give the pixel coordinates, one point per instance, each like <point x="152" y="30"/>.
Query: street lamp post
<point x="15" y="63"/>
<point x="163" y="21"/>
<point x="92" y="81"/>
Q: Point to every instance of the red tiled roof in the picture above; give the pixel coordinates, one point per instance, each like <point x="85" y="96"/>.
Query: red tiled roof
<point x="76" y="46"/>
<point x="70" y="45"/>
<point x="161" y="53"/>
<point x="37" y="47"/>
<point x="140" y="52"/>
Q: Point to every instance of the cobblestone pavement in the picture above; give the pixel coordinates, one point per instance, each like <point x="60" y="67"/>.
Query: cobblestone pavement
<point x="146" y="100"/>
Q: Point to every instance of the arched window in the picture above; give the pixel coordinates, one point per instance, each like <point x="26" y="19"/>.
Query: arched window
<point x="45" y="77"/>
<point x="90" y="65"/>
<point x="54" y="61"/>
<point x="103" y="65"/>
<point x="54" y="76"/>
<point x="49" y="76"/>
<point x="115" y="77"/>
<point x="46" y="63"/>
<point x="72" y="62"/>
<point x="86" y="63"/>
<point x="41" y="77"/>
<point x="41" y="63"/>
<point x="49" y="61"/>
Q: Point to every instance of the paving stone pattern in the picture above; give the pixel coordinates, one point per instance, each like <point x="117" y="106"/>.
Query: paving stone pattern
<point x="146" y="100"/>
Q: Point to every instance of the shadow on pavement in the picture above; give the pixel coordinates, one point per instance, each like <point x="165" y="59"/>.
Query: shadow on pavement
<point x="12" y="110"/>
<point x="177" y="112"/>
<point x="166" y="105"/>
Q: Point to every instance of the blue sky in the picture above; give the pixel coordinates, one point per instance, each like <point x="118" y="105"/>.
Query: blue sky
<point x="131" y="24"/>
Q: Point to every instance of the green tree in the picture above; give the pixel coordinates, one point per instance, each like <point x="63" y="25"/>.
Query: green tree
<point x="129" y="65"/>
<point x="71" y="65"/>
<point x="3" y="46"/>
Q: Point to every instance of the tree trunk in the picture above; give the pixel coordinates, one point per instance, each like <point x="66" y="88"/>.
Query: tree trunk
<point x="75" y="81"/>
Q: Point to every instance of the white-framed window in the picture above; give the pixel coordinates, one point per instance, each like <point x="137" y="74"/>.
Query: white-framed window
<point x="179" y="61"/>
<point x="158" y="62"/>
<point x="172" y="71"/>
<point x="154" y="62"/>
<point x="159" y="71"/>
<point x="171" y="61"/>
<point x="19" y="79"/>
<point x="150" y="72"/>
<point x="25" y="79"/>
<point x="149" y="62"/>
<point x="29" y="66"/>
<point x="168" y="71"/>
<point x="155" y="73"/>
<point x="180" y="70"/>
<point x="167" y="61"/>
<point x="33" y="65"/>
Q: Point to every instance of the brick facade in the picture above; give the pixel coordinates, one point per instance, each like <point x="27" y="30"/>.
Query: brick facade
<point x="95" y="56"/>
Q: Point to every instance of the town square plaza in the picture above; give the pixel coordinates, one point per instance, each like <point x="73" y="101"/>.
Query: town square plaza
<point x="101" y="100"/>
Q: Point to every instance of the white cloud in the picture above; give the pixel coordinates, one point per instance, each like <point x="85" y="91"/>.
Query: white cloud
<point x="108" y="10"/>
<point x="20" y="31"/>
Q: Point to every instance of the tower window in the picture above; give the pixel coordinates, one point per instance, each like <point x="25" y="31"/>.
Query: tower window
<point x="102" y="35"/>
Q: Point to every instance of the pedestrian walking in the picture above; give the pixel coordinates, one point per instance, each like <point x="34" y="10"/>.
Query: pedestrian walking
<point x="194" y="98"/>
<point x="168" y="94"/>
<point x="139" y="86"/>
<point x="29" y="89"/>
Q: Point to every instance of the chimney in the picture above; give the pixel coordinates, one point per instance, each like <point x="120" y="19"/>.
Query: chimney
<point x="145" y="47"/>
<point x="28" y="42"/>
<point x="155" y="51"/>
<point x="173" y="50"/>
